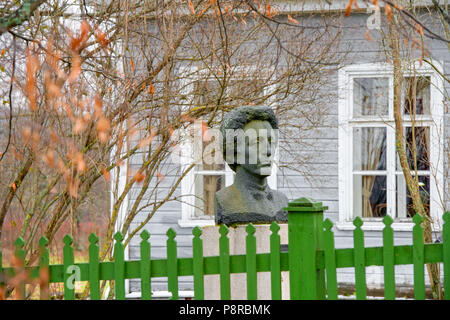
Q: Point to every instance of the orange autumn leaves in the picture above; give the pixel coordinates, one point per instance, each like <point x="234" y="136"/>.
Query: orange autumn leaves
<point x="32" y="67"/>
<point x="58" y="96"/>
<point x="77" y="42"/>
<point x="103" y="124"/>
<point x="292" y="20"/>
<point x="69" y="166"/>
<point x="83" y="117"/>
<point x="55" y="78"/>
<point x="191" y="7"/>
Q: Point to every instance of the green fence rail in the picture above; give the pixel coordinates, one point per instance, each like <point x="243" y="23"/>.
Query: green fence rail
<point x="312" y="260"/>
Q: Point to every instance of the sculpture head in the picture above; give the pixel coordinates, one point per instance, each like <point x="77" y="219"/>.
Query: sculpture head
<point x="249" y="139"/>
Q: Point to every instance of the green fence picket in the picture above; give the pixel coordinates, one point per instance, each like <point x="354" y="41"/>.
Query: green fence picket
<point x="330" y="260"/>
<point x="94" y="268"/>
<point x="275" y="268"/>
<point x="250" y="262"/>
<point x="446" y="253"/>
<point x="418" y="258"/>
<point x="2" y="275"/>
<point x="388" y="259"/>
<point x="44" y="272"/>
<point x="327" y="258"/>
<point x="119" y="267"/>
<point x="69" y="269"/>
<point x="172" y="264"/>
<point x="146" y="289"/>
<point x="359" y="256"/>
<point x="224" y="260"/>
<point x="19" y="254"/>
<point x="197" y="264"/>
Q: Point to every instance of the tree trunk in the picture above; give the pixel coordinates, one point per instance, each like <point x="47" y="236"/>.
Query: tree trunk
<point x="411" y="182"/>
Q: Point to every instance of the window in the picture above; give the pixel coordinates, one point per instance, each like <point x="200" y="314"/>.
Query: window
<point x="371" y="181"/>
<point x="200" y="184"/>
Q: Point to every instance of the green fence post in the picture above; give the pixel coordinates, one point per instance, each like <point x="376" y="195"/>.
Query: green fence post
<point x="305" y="218"/>
<point x="172" y="264"/>
<point x="224" y="263"/>
<point x="70" y="270"/>
<point x="446" y="253"/>
<point x="359" y="259"/>
<point x="197" y="264"/>
<point x="94" y="267"/>
<point x="250" y="261"/>
<point x="2" y="274"/>
<point x="418" y="258"/>
<point x="146" y="267"/>
<point x="388" y="259"/>
<point x="275" y="268"/>
<point x="119" y="267"/>
<point x="330" y="260"/>
<point x="19" y="254"/>
<point x="44" y="272"/>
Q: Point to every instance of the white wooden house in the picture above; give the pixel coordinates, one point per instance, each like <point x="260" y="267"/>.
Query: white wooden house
<point x="342" y="173"/>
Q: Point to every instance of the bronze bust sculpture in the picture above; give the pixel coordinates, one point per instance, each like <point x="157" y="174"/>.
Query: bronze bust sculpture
<point x="249" y="198"/>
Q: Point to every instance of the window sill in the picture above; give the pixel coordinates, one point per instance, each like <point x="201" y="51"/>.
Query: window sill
<point x="375" y="226"/>
<point x="196" y="223"/>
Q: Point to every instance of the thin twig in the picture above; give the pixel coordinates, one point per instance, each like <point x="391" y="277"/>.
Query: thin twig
<point x="430" y="34"/>
<point x="10" y="99"/>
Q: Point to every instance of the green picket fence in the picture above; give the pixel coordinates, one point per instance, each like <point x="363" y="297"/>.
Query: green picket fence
<point x="312" y="260"/>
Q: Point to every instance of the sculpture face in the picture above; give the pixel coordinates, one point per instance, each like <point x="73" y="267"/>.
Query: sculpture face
<point x="249" y="198"/>
<point x="258" y="148"/>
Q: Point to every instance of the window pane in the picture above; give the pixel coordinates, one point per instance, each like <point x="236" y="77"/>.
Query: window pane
<point x="417" y="95"/>
<point x="205" y="188"/>
<point x="404" y="201"/>
<point x="212" y="158"/>
<point x="369" y="196"/>
<point x="370" y="96"/>
<point x="417" y="144"/>
<point x="369" y="149"/>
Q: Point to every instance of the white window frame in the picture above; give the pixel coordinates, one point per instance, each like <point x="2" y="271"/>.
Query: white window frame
<point x="188" y="219"/>
<point x="346" y="123"/>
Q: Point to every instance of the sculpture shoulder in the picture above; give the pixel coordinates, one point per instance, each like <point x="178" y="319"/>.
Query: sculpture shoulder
<point x="226" y="201"/>
<point x="280" y="196"/>
<point x="232" y="206"/>
<point x="231" y="200"/>
<point x="226" y="194"/>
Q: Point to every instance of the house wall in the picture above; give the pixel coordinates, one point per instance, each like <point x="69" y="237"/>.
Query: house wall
<point x="320" y="181"/>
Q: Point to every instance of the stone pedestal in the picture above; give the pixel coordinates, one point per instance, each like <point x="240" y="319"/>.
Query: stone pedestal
<point x="237" y="236"/>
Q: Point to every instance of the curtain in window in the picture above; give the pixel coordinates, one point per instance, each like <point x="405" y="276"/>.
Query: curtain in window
<point x="373" y="159"/>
